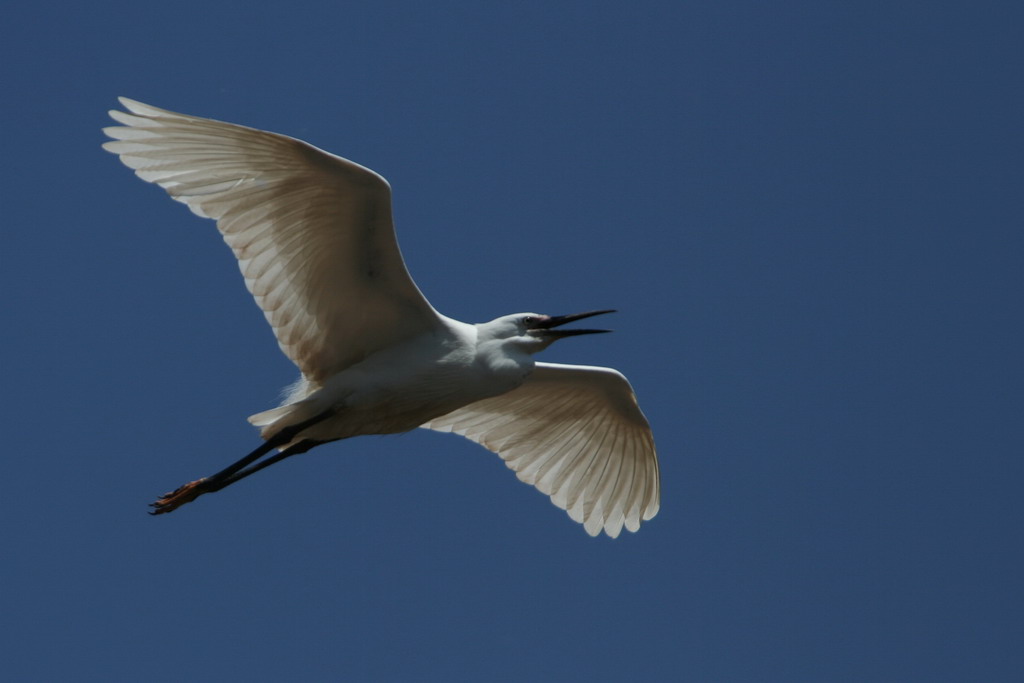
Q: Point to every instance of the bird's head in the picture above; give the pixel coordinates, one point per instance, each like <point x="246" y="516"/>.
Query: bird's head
<point x="534" y="332"/>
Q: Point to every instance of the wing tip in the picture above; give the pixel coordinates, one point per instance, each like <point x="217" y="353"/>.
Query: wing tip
<point x="136" y="107"/>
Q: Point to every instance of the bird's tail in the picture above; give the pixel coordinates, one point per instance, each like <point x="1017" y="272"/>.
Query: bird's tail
<point x="273" y="421"/>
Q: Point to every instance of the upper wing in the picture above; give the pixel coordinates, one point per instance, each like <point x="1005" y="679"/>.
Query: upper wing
<point x="312" y="232"/>
<point x="577" y="434"/>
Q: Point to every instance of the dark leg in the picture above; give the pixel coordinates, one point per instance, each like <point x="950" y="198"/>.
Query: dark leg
<point x="229" y="475"/>
<point x="294" y="449"/>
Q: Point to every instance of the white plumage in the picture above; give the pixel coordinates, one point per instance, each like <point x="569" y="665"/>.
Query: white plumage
<point x="576" y="433"/>
<point x="315" y="241"/>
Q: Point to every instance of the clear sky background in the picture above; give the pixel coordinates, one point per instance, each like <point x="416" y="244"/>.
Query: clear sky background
<point x="809" y="215"/>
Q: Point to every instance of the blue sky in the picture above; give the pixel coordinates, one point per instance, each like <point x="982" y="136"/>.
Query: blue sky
<point x="808" y="215"/>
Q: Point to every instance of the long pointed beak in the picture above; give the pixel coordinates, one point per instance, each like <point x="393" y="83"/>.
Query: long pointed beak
<point x="545" y="326"/>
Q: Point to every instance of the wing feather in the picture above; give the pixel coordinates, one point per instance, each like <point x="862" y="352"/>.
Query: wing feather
<point x="577" y="434"/>
<point x="312" y="232"/>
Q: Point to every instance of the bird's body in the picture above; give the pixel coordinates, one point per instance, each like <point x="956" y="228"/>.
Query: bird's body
<point x="403" y="386"/>
<point x="314" y="238"/>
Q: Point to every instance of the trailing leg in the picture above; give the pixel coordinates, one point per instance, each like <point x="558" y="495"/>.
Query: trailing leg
<point x="235" y="472"/>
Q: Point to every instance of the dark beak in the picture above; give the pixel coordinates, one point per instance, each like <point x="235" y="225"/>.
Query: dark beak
<point x="544" y="327"/>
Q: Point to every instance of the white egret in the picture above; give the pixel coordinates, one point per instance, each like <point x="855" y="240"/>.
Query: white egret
<point x="314" y="238"/>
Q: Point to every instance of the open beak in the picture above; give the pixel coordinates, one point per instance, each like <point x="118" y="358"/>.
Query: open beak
<point x="544" y="327"/>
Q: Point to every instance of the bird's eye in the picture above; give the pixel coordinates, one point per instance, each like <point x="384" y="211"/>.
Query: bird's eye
<point x="529" y="320"/>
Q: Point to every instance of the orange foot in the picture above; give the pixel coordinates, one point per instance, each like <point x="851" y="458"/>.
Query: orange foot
<point x="179" y="496"/>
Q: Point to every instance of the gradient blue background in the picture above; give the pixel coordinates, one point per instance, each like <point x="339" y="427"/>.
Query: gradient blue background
<point x="808" y="213"/>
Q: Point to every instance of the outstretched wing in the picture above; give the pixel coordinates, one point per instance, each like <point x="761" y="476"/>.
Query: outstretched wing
<point x="312" y="232"/>
<point x="577" y="434"/>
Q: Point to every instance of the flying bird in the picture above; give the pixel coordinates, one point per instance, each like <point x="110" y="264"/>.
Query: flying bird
<point x="314" y="238"/>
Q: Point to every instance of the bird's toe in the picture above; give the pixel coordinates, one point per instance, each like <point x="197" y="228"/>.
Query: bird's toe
<point x="178" y="497"/>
